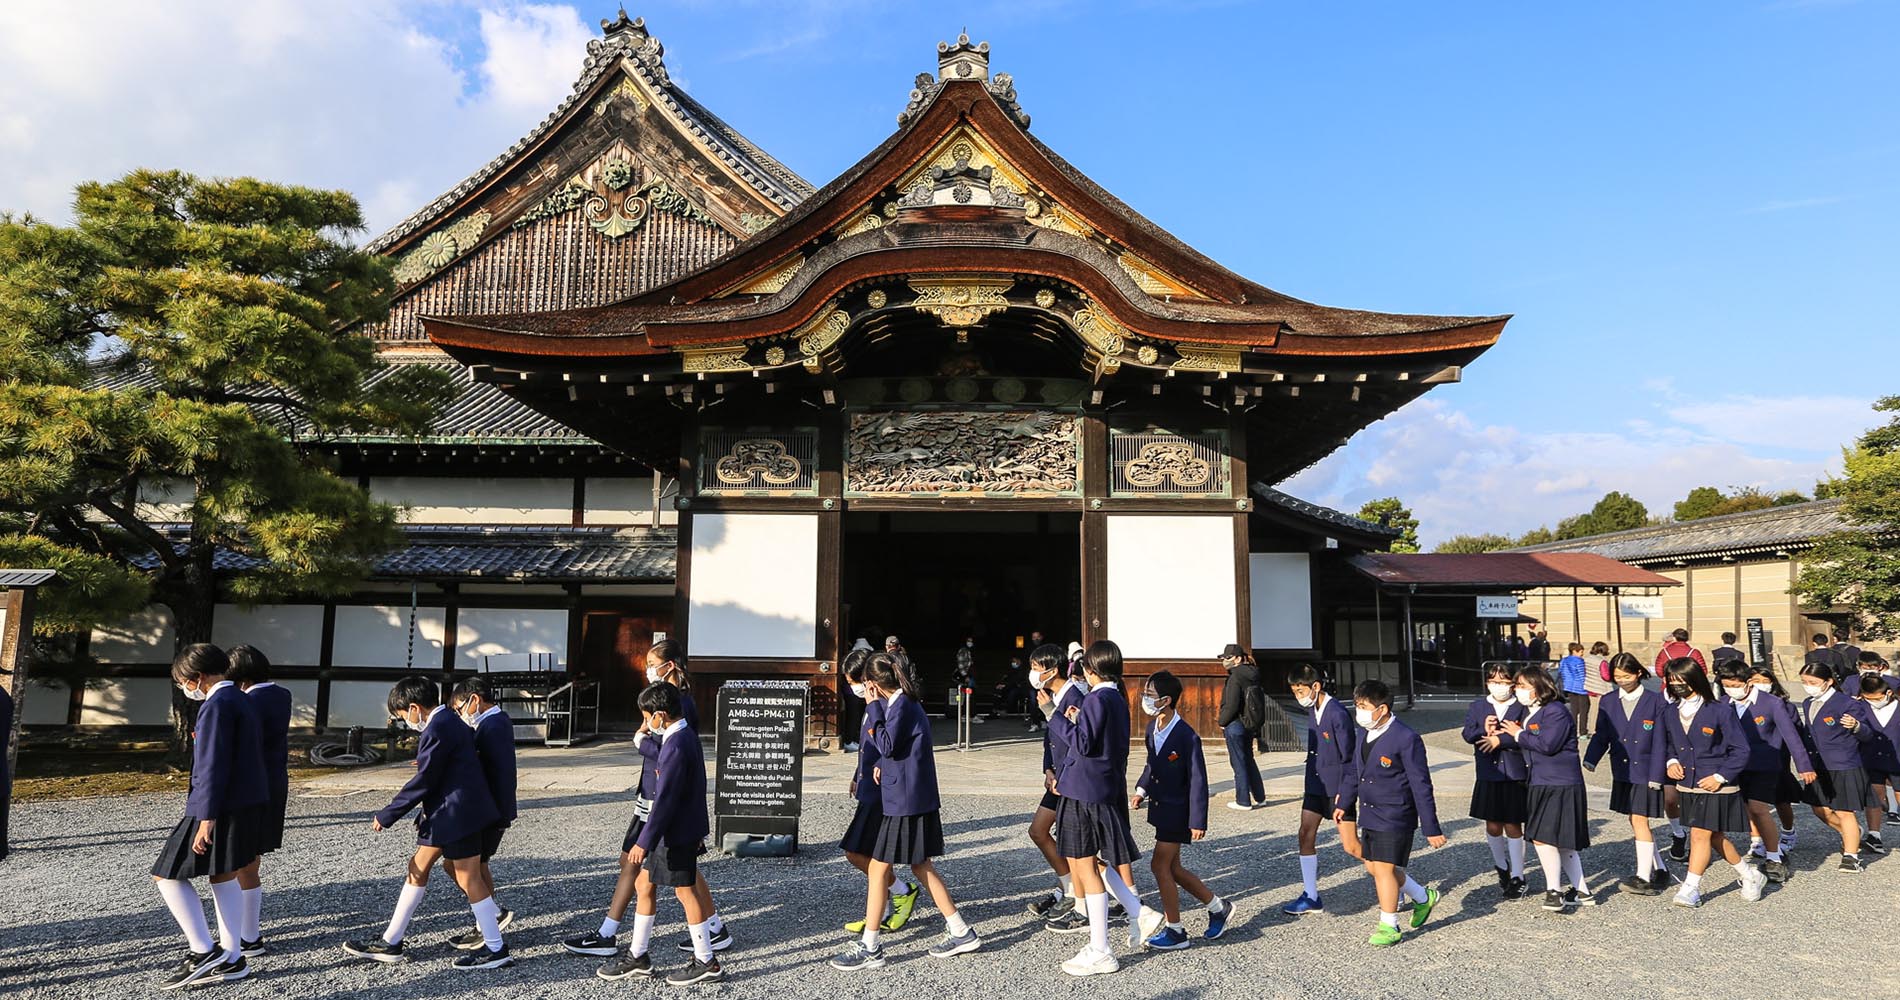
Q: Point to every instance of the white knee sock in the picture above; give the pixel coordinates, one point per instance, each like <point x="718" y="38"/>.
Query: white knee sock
<point x="1552" y="864"/>
<point x="1412" y="890"/>
<point x="609" y="927"/>
<point x="488" y="921"/>
<point x="1097" y="903"/>
<point x="1573" y="868"/>
<point x="254" y="914"/>
<point x="1645" y="859"/>
<point x="1691" y="883"/>
<point x="955" y="924"/>
<point x="1500" y="855"/>
<point x="1662" y="860"/>
<point x="227" y="900"/>
<point x="406" y="906"/>
<point x="702" y="940"/>
<point x="1064" y="882"/>
<point x="716" y="923"/>
<point x="1124" y="893"/>
<point x="1515" y="847"/>
<point x="1309" y="874"/>
<point x="642" y="934"/>
<point x="182" y="900"/>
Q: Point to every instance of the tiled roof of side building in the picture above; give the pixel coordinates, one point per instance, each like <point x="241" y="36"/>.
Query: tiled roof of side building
<point x="537" y="554"/>
<point x="1326" y="515"/>
<point x="1756" y="531"/>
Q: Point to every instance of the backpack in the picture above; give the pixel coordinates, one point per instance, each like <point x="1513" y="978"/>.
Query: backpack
<point x="1603" y="668"/>
<point x="1253" y="708"/>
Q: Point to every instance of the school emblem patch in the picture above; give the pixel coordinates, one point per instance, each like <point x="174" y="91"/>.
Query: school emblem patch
<point x="1708" y="730"/>
<point x="1828" y="719"/>
<point x="1385" y="762"/>
<point x="1533" y="727"/>
<point x="1174" y="755"/>
<point x="1760" y="719"/>
<point x="1325" y="735"/>
<point x="1649" y="724"/>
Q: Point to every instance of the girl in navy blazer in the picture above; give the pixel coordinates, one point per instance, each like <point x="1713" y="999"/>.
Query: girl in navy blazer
<point x="1834" y="726"/>
<point x="1330" y="772"/>
<point x="1501" y="795"/>
<point x="910" y="832"/>
<point x="1055" y="694"/>
<point x="456" y="806"/>
<point x="1773" y="738"/>
<point x="666" y="662"/>
<point x="1630" y="729"/>
<point x="1880" y="755"/>
<point x="1707" y="756"/>
<point x="1791" y="789"/>
<point x="1173" y="786"/>
<point x="224" y="819"/>
<point x="272" y="705"/>
<point x="1393" y="784"/>
<point x="860" y="837"/>
<point x="1559" y="808"/>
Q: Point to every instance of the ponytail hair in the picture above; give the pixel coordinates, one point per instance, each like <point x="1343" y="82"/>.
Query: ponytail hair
<point x="891" y="672"/>
<point x="853" y="666"/>
<point x="1629" y="664"/>
<point x="1104" y="660"/>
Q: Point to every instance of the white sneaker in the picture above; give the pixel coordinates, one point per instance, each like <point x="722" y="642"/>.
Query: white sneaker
<point x="1752" y="882"/>
<point x="1687" y="897"/>
<point x="1237" y="807"/>
<point x="1787" y="841"/>
<point x="1146" y="927"/>
<point x="1089" y="962"/>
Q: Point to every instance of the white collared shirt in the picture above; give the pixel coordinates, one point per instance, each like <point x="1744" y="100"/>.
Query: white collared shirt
<point x="1884" y="714"/>
<point x="1161" y="735"/>
<point x="1319" y="705"/>
<point x="1530" y="713"/>
<point x="1072" y="682"/>
<point x="261" y="684"/>
<point x="485" y="713"/>
<point x="1104" y="686"/>
<point x="1501" y="707"/>
<point x="891" y="699"/>
<point x="1373" y="734"/>
<point x="665" y="734"/>
<point x="215" y="687"/>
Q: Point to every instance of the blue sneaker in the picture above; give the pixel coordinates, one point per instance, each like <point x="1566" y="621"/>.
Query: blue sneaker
<point x="1168" y="939"/>
<point x="1304" y="904"/>
<point x="1217" y="922"/>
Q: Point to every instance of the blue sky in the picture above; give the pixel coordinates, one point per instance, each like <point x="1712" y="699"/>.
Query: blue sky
<point x="1690" y="207"/>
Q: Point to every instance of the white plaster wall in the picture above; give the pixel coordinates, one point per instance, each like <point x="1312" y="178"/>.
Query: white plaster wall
<point x="378" y="636"/>
<point x="359" y="703"/>
<point x="286" y="633"/>
<point x="625" y="500"/>
<point x="128" y="701"/>
<point x="481" y="632"/>
<point x="146" y="637"/>
<point x="1280" y="594"/>
<point x="1171" y="588"/>
<point x="754" y="588"/>
<point x="459" y="500"/>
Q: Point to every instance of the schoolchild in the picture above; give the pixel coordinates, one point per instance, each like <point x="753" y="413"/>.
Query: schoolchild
<point x="1558" y="825"/>
<point x="473" y="701"/>
<point x="1501" y="794"/>
<point x="1878" y="755"/>
<point x="1391" y="783"/>
<point x="1834" y="726"/>
<point x="250" y="670"/>
<point x="1772" y="736"/>
<point x="1054" y="694"/>
<point x="1707" y="756"/>
<point x="1173" y="788"/>
<point x="1329" y="772"/>
<point x="860" y="837"/>
<point x="1630" y="729"/>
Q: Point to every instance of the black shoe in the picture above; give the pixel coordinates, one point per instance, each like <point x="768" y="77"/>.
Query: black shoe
<point x="486" y="959"/>
<point x="1554" y="901"/>
<point x="1851" y="863"/>
<point x="505" y="918"/>
<point x="229" y="972"/>
<point x="1042" y="905"/>
<point x="252" y="949"/>
<point x="1636" y="886"/>
<point x="697" y="971"/>
<point x="1661" y="880"/>
<point x="720" y="941"/>
<point x="1504" y="881"/>
<point x="1776" y="871"/>
<point x="375" y="949"/>
<point x="469" y="941"/>
<point x="1115" y="906"/>
<point x="1068" y="922"/>
<point x="626" y="967"/>
<point x="1678" y="848"/>
<point x="1519" y="887"/>
<point x="195" y="966"/>
<point x="594" y="944"/>
<point x="1872" y="844"/>
<point x="1574" y="897"/>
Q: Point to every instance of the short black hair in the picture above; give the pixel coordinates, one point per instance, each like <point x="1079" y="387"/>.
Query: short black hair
<point x="661" y="697"/>
<point x="1733" y="670"/>
<point x="1104" y="660"/>
<point x="1629" y="664"/>
<point x="1680" y="635"/>
<point x="248" y="665"/>
<point x="668" y="651"/>
<point x="477" y="686"/>
<point x="1373" y="692"/>
<point x="1872" y="683"/>
<point x="1305" y="675"/>
<point x="853" y="668"/>
<point x="414" y="689"/>
<point x="200" y="660"/>
<point x="1870" y="657"/>
<point x="1728" y="637"/>
<point x="1049" y="659"/>
<point x="1820" y="638"/>
<point x="1167" y="686"/>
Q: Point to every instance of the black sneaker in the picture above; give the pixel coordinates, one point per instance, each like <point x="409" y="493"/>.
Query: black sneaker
<point x="1661" y="880"/>
<point x="1776" y="871"/>
<point x="697" y="971"/>
<point x="1637" y="886"/>
<point x="1115" y="906"/>
<point x="1575" y="897"/>
<point x="229" y="972"/>
<point x="626" y="967"/>
<point x="1041" y="905"/>
<point x="252" y="949"/>
<point x="505" y="918"/>
<point x="1504" y="881"/>
<point x="1851" y="863"/>
<point x="1554" y="901"/>
<point x="1678" y="848"/>
<point x="1519" y="888"/>
<point x="1069" y="922"/>
<point x="593" y="943"/>
<point x="1872" y="844"/>
<point x="720" y="941"/>
<point x="194" y="967"/>
<point x="376" y="950"/>
<point x="469" y="941"/>
<point x="487" y="958"/>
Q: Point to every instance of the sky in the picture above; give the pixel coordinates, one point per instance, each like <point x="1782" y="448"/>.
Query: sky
<point x="1690" y="208"/>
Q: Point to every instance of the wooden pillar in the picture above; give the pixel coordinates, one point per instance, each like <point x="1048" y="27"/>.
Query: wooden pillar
<point x="1406" y="642"/>
<point x="687" y="490"/>
<point x="16" y="641"/>
<point x="326" y="658"/>
<point x="1243" y="570"/>
<point x="1094" y="533"/>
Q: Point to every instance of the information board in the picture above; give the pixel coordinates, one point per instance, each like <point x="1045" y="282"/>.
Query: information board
<point x="759" y="748"/>
<point x="1497" y="606"/>
<point x="1757" y="642"/>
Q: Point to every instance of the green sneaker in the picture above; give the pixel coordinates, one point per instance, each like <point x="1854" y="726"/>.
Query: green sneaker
<point x="901" y="907"/>
<point x="1422" y="912"/>
<point x="889" y="924"/>
<point x="1385" y="937"/>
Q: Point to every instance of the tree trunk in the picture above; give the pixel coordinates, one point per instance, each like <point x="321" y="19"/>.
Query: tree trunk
<point x="192" y="600"/>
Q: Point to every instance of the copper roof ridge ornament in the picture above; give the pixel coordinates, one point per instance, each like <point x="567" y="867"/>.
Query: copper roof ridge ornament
<point x="963" y="61"/>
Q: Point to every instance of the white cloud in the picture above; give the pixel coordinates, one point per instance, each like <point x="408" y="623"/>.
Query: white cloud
<point x="365" y="95"/>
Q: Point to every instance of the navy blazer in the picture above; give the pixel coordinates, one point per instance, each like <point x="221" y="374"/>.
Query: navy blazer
<point x="1506" y="763"/>
<point x="1882" y="753"/>
<point x="1329" y="741"/>
<point x="1175" y="779"/>
<point x="867" y="789"/>
<point x="907" y="762"/>
<point x="1549" y="742"/>
<point x="1393" y="788"/>
<point x="495" y="745"/>
<point x="271" y="704"/>
<point x="227" y="759"/>
<point x="1711" y="744"/>
<point x="1770" y="730"/>
<point x="1634" y="739"/>
<point x="1060" y="732"/>
<point x="448" y="785"/>
<point x="1826" y="738"/>
<point x="649" y="745"/>
<point x="1097" y="767"/>
<point x="678" y="818"/>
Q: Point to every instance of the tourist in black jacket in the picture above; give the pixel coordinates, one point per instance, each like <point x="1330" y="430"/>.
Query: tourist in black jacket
<point x="1249" y="791"/>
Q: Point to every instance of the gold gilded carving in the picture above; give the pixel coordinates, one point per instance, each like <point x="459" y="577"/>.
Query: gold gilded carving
<point x="817" y="336"/>
<point x="775" y="355"/>
<point x="1146" y="354"/>
<point x="961" y="303"/>
<point x="440" y="248"/>
<point x="721" y="359"/>
<point x="1168" y="461"/>
<point x="877" y="298"/>
<point x="776" y="278"/>
<point x="1100" y="332"/>
<point x="1207" y="357"/>
<point x="1023" y="453"/>
<point x="1045" y="298"/>
<point x="763" y="458"/>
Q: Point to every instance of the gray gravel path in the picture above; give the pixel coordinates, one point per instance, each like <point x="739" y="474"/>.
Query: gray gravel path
<point x="79" y="917"/>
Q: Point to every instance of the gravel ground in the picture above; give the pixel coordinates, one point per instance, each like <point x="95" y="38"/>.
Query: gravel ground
<point x="79" y="917"/>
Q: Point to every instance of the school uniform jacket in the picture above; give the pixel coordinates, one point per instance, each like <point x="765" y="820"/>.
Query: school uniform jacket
<point x="1549" y="742"/>
<point x="495" y="745"/>
<point x="1330" y="765"/>
<point x="1837" y="747"/>
<point x="907" y="764"/>
<point x="1175" y="779"/>
<point x="227" y="759"/>
<point x="1633" y="736"/>
<point x="1711" y="744"/>
<point x="1097" y="766"/>
<point x="448" y="785"/>
<point x="649" y="745"/>
<point x="678" y="818"/>
<point x="868" y="790"/>
<point x="1392" y="784"/>
<point x="1506" y="763"/>
<point x="1769" y="729"/>
<point x="1882" y="752"/>
<point x="271" y="704"/>
<point x="1060" y="732"/>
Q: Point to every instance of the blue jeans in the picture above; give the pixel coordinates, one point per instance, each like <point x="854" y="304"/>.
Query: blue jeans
<point x="1246" y="771"/>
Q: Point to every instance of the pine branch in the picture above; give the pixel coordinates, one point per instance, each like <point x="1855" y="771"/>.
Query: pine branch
<point x="161" y="546"/>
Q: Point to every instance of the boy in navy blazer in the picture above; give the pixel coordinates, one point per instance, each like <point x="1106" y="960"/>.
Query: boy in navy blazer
<point x="1329" y="770"/>
<point x="457" y="807"/>
<point x="474" y="702"/>
<point x="669" y="845"/>
<point x="1392" y="788"/>
<point x="1173" y="786"/>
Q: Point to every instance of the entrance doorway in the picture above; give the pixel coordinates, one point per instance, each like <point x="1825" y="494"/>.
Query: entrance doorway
<point x="934" y="579"/>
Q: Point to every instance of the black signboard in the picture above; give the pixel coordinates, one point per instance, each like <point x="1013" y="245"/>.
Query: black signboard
<point x="760" y="752"/>
<point x="1757" y="642"/>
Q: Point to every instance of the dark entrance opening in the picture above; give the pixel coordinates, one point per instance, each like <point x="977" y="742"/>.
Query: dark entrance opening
<point x="934" y="579"/>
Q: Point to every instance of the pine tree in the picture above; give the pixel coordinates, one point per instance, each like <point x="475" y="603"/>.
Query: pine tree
<point x="1858" y="569"/>
<point x="1393" y="513"/>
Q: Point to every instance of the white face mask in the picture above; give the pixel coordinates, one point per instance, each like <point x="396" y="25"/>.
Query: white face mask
<point x="653" y="675"/>
<point x="1035" y="677"/>
<point x="1871" y="703"/>
<point x="1525" y="698"/>
<point x="1363" y="716"/>
<point x="1735" y="693"/>
<point x="1306" y="700"/>
<point x="1763" y="688"/>
<point x="859" y="690"/>
<point x="1499" y="692"/>
<point x="1691" y="703"/>
<point x="470" y="717"/>
<point x="1814" y="690"/>
<point x="1150" y="704"/>
<point x="193" y="693"/>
